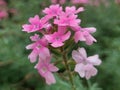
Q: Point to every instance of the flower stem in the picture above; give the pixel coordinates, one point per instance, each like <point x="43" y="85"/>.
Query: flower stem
<point x="68" y="68"/>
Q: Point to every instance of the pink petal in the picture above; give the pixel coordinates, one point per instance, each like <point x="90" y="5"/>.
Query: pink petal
<point x="79" y="36"/>
<point x="62" y="29"/>
<point x="49" y="38"/>
<point x="33" y="55"/>
<point x="35" y="37"/>
<point x="66" y="36"/>
<point x="82" y="52"/>
<point x="90" y="71"/>
<point x="76" y="56"/>
<point x="81" y="9"/>
<point x="46" y="10"/>
<point x="44" y="53"/>
<point x="53" y="68"/>
<point x="31" y="46"/>
<point x="50" y="79"/>
<point x="30" y="28"/>
<point x="90" y="39"/>
<point x="80" y="69"/>
<point x="94" y="60"/>
<point x="57" y="44"/>
<point x="34" y="20"/>
<point x="90" y="29"/>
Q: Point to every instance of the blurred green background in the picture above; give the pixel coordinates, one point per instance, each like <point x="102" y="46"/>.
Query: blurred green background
<point x="17" y="73"/>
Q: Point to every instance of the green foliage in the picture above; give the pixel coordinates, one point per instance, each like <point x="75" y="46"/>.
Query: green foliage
<point x="17" y="73"/>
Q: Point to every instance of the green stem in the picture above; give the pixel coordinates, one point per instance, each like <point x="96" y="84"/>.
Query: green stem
<point x="68" y="68"/>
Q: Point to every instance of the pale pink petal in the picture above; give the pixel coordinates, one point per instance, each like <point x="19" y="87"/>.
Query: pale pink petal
<point x="33" y="55"/>
<point x="76" y="56"/>
<point x="81" y="9"/>
<point x="79" y="68"/>
<point x="90" y="29"/>
<point x="43" y="53"/>
<point x="53" y="68"/>
<point x="94" y="60"/>
<point x="90" y="71"/>
<point x="90" y="39"/>
<point x="50" y="79"/>
<point x="82" y="52"/>
<point x="30" y="46"/>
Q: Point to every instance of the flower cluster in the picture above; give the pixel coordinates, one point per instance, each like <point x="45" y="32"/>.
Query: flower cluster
<point x="5" y="11"/>
<point x="117" y="1"/>
<point x="79" y="1"/>
<point x="58" y="1"/>
<point x="83" y="2"/>
<point x="56" y="28"/>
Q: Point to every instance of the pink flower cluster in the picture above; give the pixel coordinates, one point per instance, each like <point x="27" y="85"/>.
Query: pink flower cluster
<point x="91" y="2"/>
<point x="5" y="11"/>
<point x="58" y="1"/>
<point x="71" y="1"/>
<point x="99" y="2"/>
<point x="79" y="1"/>
<point x="83" y="2"/>
<point x="117" y="1"/>
<point x="55" y="28"/>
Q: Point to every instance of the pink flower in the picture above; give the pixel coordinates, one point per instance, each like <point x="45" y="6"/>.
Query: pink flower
<point x="58" y="1"/>
<point x="85" y="65"/>
<point x="35" y="24"/>
<point x="3" y="3"/>
<point x="45" y="69"/>
<point x="62" y="1"/>
<point x="53" y="11"/>
<point x="117" y="1"/>
<point x="69" y="17"/>
<point x="57" y="39"/>
<point x="3" y="14"/>
<point x="38" y="48"/>
<point x="98" y="2"/>
<point x="72" y="10"/>
<point x="79" y="1"/>
<point x="13" y="11"/>
<point x="54" y="1"/>
<point x="84" y="34"/>
<point x="65" y="20"/>
<point x="85" y="70"/>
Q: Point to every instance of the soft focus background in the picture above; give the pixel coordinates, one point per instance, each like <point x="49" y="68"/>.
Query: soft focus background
<point x="17" y="73"/>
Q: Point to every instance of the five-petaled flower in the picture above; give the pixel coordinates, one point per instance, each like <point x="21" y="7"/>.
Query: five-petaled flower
<point x="45" y="69"/>
<point x="85" y="65"/>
